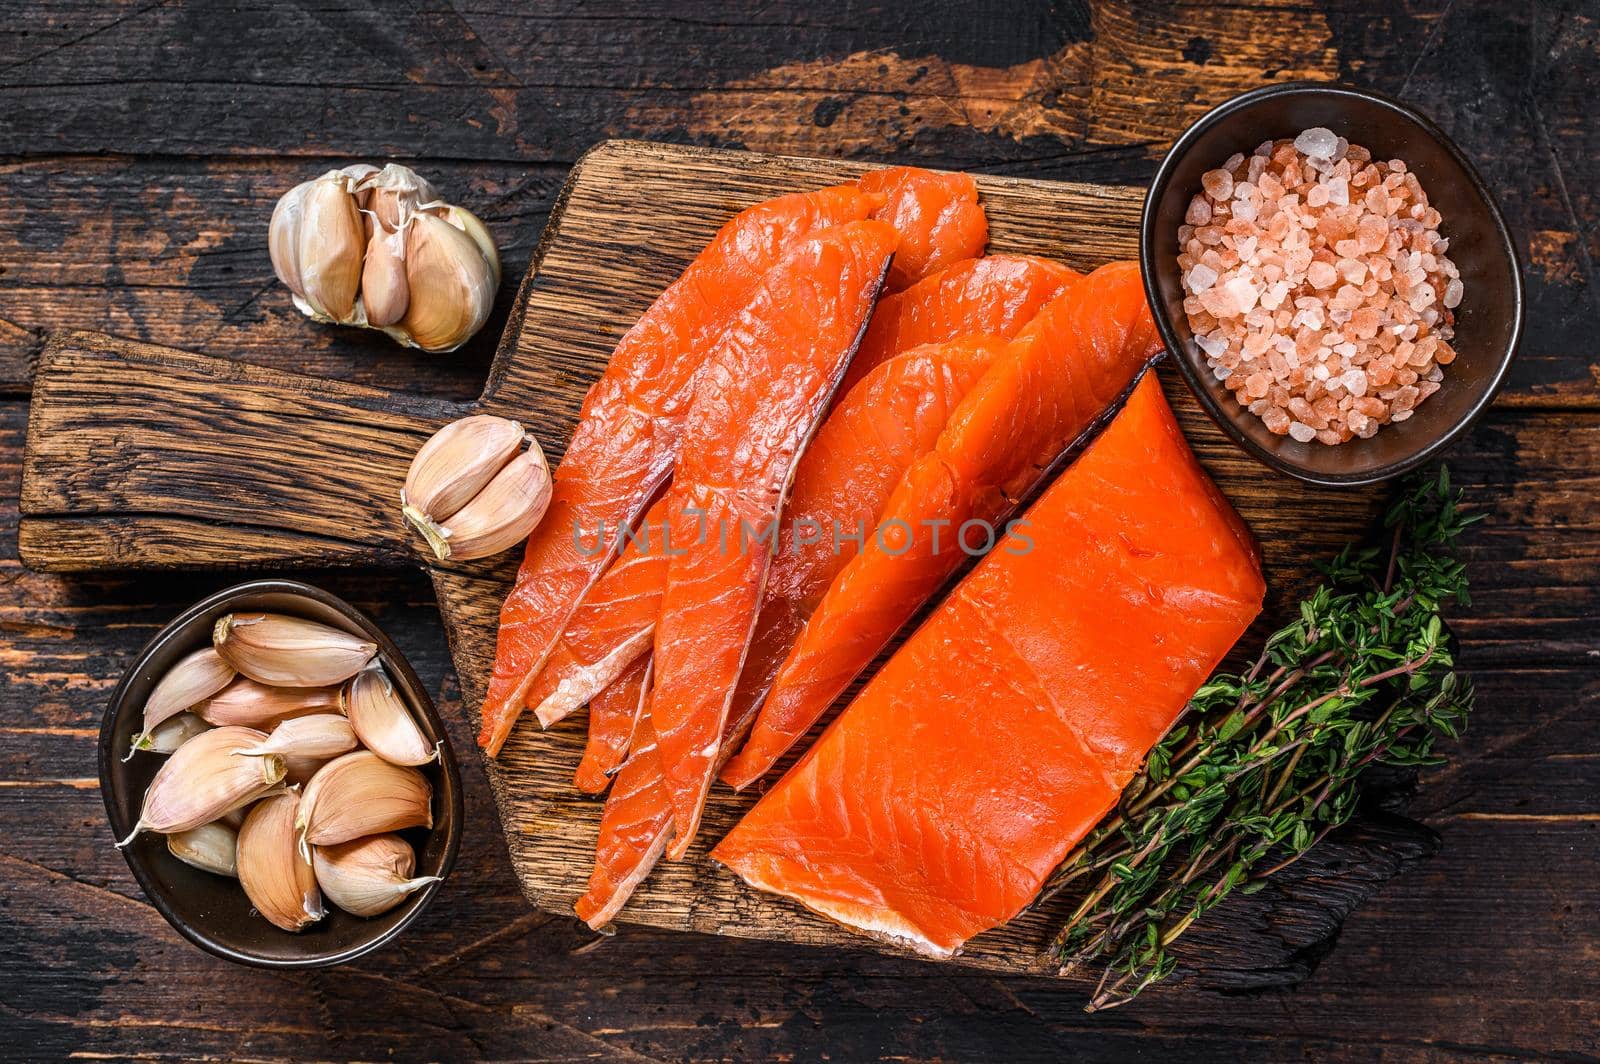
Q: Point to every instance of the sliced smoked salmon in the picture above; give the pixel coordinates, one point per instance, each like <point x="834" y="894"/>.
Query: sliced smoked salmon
<point x="758" y="399"/>
<point x="613" y="720"/>
<point x="894" y="415"/>
<point x="611" y="629"/>
<point x="937" y="216"/>
<point x="992" y="296"/>
<point x="627" y="435"/>
<point x="937" y="804"/>
<point x="1067" y="367"/>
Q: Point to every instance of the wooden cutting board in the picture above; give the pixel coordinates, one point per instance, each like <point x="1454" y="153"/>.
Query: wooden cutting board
<point x="146" y="457"/>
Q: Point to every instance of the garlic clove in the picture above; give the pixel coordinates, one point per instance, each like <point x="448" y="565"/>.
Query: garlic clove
<point x="195" y="678"/>
<point x="210" y="847"/>
<point x="384" y="292"/>
<point x="256" y="705"/>
<point x="382" y="721"/>
<point x="397" y="193"/>
<point x="362" y="794"/>
<point x="452" y="286"/>
<point x="454" y="465"/>
<point x="297" y="770"/>
<point x="285" y="651"/>
<point x="502" y="514"/>
<point x="234" y="818"/>
<point x="203" y="780"/>
<point x="283" y="237"/>
<point x="368" y="876"/>
<point x="320" y="735"/>
<point x="358" y="179"/>
<point x="170" y="734"/>
<point x="278" y="880"/>
<point x="330" y="248"/>
<point x="470" y="224"/>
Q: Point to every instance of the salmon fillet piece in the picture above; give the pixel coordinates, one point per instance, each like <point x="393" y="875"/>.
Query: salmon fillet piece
<point x="937" y="804"/>
<point x="611" y="629"/>
<point x="937" y="216"/>
<point x="613" y="720"/>
<point x="1065" y="369"/>
<point x="992" y="296"/>
<point x="758" y="399"/>
<point x="894" y="415"/>
<point x="628" y="432"/>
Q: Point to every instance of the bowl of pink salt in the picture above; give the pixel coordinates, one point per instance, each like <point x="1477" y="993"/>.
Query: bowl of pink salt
<point x="1333" y="278"/>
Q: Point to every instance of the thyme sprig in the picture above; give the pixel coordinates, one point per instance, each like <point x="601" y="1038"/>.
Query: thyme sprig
<point x="1266" y="763"/>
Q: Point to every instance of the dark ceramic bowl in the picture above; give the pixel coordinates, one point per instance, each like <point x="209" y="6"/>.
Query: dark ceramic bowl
<point x="212" y="911"/>
<point x="1488" y="321"/>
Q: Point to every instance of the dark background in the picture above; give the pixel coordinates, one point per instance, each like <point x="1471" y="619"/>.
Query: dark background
<point x="142" y="145"/>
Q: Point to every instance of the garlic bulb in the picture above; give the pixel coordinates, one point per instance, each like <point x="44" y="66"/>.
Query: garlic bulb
<point x="368" y="876"/>
<point x="276" y="877"/>
<point x="382" y="721"/>
<point x="361" y="794"/>
<point x="203" y="780"/>
<point x="471" y="493"/>
<point x="379" y="249"/>
<point x="210" y="847"/>
<point x="284" y="651"/>
<point x="255" y="705"/>
<point x="195" y="678"/>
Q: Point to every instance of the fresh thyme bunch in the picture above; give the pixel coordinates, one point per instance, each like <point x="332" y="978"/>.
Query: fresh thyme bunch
<point x="1265" y="764"/>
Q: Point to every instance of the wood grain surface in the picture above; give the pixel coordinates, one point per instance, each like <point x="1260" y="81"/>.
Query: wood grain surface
<point x="142" y="457"/>
<point x="142" y="149"/>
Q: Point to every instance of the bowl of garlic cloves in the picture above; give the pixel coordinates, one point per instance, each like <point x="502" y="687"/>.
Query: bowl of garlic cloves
<point x="279" y="780"/>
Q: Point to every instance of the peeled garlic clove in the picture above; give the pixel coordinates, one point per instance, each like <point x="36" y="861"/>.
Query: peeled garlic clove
<point x="330" y="248"/>
<point x="502" y="514"/>
<point x="195" y="678"/>
<point x="452" y="286"/>
<point x="455" y="464"/>
<point x="362" y="794"/>
<point x="384" y="292"/>
<point x="256" y="705"/>
<point x="284" y="651"/>
<point x="203" y="780"/>
<point x="283" y="237"/>
<point x="320" y="735"/>
<point x="382" y="721"/>
<point x="370" y="876"/>
<point x="170" y="734"/>
<point x="210" y="847"/>
<point x="276" y="877"/>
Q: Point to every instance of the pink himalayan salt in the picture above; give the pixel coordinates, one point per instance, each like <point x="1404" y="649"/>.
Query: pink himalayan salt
<point x="1324" y="275"/>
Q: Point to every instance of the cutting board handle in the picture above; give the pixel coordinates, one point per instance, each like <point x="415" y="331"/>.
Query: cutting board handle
<point x="146" y="457"/>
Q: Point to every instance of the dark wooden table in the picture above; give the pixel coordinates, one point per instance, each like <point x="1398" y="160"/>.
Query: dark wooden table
<point x="142" y="146"/>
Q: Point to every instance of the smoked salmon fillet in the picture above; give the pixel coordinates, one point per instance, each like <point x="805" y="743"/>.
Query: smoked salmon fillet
<point x="992" y="296"/>
<point x="628" y="431"/>
<point x="937" y="804"/>
<point x="611" y="629"/>
<point x="937" y="216"/>
<point x="894" y="415"/>
<point x="613" y="720"/>
<point x="758" y="399"/>
<point x="1066" y="368"/>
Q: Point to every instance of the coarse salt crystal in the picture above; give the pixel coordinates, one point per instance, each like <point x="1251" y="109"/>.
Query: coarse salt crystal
<point x="1302" y="432"/>
<point x="1201" y="277"/>
<point x="1317" y="142"/>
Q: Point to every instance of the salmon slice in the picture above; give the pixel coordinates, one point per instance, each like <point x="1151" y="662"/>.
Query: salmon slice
<point x="937" y="216"/>
<point x="891" y="417"/>
<point x="613" y="720"/>
<point x="628" y="431"/>
<point x="611" y="629"/>
<point x="992" y="296"/>
<point x="759" y="399"/>
<point x="1065" y="369"/>
<point x="937" y="804"/>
